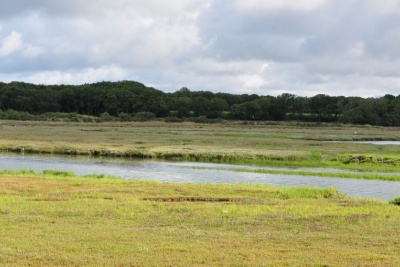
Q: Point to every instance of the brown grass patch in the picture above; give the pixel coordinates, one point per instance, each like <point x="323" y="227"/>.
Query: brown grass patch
<point x="199" y="199"/>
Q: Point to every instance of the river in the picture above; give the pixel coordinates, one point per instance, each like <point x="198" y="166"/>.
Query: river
<point x="194" y="172"/>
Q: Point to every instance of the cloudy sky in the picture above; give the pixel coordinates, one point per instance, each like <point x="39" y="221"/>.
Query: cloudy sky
<point x="266" y="47"/>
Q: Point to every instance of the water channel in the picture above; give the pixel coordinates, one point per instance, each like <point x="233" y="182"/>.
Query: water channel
<point x="194" y="172"/>
<point x="382" y="143"/>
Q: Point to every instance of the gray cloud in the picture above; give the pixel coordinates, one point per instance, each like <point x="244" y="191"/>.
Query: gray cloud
<point x="303" y="47"/>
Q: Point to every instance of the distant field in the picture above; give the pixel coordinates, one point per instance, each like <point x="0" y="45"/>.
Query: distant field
<point x="56" y="219"/>
<point x="287" y="145"/>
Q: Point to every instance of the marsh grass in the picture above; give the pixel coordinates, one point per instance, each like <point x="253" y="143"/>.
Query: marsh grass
<point x="366" y="176"/>
<point x="54" y="219"/>
<point x="372" y="159"/>
<point x="286" y="145"/>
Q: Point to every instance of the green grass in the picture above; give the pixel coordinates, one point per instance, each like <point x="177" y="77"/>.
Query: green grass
<point x="57" y="219"/>
<point x="259" y="143"/>
<point x="365" y="176"/>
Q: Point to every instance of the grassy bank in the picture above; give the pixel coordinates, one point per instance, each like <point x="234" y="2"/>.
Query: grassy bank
<point x="276" y="145"/>
<point x="365" y="176"/>
<point x="56" y="219"/>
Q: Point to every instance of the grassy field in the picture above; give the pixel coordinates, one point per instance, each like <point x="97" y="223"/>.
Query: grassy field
<point x="278" y="145"/>
<point x="55" y="219"/>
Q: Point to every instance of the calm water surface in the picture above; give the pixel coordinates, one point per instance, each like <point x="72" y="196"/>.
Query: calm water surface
<point x="184" y="172"/>
<point x="384" y="143"/>
<point x="395" y="143"/>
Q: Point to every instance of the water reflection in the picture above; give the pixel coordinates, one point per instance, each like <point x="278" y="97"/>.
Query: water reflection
<point x="183" y="172"/>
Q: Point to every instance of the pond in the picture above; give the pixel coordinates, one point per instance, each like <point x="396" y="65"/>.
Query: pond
<point x="194" y="172"/>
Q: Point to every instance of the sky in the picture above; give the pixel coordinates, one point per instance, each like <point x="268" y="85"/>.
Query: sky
<point x="264" y="47"/>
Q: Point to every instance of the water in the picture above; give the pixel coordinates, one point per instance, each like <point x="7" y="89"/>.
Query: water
<point x="378" y="142"/>
<point x="187" y="172"/>
<point x="394" y="143"/>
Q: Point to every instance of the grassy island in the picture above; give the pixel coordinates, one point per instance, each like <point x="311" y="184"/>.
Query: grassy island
<point x="260" y="143"/>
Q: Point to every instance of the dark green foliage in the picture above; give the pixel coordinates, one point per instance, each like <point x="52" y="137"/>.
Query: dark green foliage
<point x="133" y="101"/>
<point x="144" y="116"/>
<point x="105" y="116"/>
<point x="58" y="173"/>
<point x="15" y="115"/>
<point x="396" y="201"/>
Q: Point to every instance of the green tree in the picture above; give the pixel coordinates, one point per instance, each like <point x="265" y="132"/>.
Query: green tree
<point x="217" y="106"/>
<point x="201" y="106"/>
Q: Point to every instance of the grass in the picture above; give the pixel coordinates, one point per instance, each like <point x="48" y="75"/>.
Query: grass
<point x="57" y="219"/>
<point x="365" y="176"/>
<point x="264" y="144"/>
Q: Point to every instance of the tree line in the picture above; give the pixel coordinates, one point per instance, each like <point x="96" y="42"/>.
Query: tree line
<point x="126" y="99"/>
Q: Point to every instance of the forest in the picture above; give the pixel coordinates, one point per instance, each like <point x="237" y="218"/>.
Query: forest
<point x="130" y="100"/>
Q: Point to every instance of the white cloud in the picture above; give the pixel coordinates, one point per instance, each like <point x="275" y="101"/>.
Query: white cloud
<point x="271" y="5"/>
<point x="125" y="36"/>
<point x="172" y="8"/>
<point x="218" y="67"/>
<point x="357" y="50"/>
<point x="242" y="46"/>
<point x="14" y="43"/>
<point x="31" y="51"/>
<point x="211" y="75"/>
<point x="11" y="44"/>
<point x="100" y="8"/>
<point x="252" y="82"/>
<point x="384" y="7"/>
<point x="87" y="75"/>
<point x="161" y="44"/>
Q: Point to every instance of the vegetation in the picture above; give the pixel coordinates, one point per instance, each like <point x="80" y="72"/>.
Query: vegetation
<point x="283" y="145"/>
<point x="396" y="201"/>
<point x="57" y="219"/>
<point x="365" y="176"/>
<point x="132" y="101"/>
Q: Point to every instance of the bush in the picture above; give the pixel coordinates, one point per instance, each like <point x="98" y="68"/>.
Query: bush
<point x="58" y="173"/>
<point x="104" y="117"/>
<point x="15" y="115"/>
<point x="60" y="116"/>
<point x="124" y="116"/>
<point x="200" y="119"/>
<point x="173" y="119"/>
<point x="395" y="201"/>
<point x="204" y="119"/>
<point x="144" y="116"/>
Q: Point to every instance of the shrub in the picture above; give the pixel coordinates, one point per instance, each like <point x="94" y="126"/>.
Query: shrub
<point x="173" y="119"/>
<point x="124" y="116"/>
<point x="395" y="201"/>
<point x="144" y="116"/>
<point x="58" y="173"/>
<point x="105" y="117"/>
<point x="15" y="115"/>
